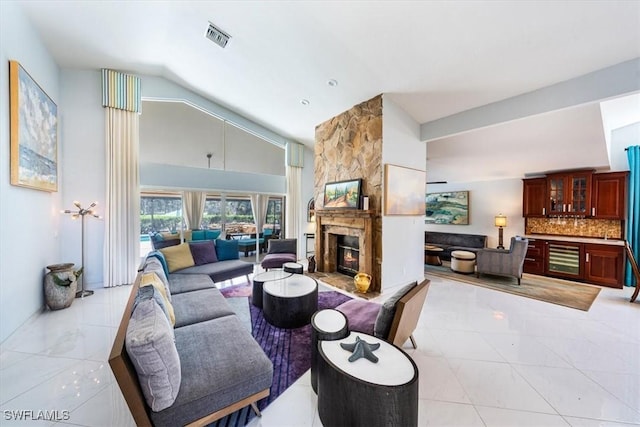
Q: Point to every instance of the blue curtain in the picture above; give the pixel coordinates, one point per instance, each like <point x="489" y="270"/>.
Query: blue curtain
<point x="633" y="223"/>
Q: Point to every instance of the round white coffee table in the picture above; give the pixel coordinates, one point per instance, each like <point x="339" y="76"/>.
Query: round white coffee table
<point x="258" y="282"/>
<point x="366" y="393"/>
<point x="292" y="267"/>
<point x="290" y="302"/>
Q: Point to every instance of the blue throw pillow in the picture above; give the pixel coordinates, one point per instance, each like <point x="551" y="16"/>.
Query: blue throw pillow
<point x="227" y="249"/>
<point x="211" y="234"/>
<point x="203" y="252"/>
<point x="197" y="235"/>
<point x="157" y="237"/>
<point x="160" y="256"/>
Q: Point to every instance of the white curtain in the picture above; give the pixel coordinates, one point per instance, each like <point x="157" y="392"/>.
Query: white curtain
<point x="259" y="203"/>
<point x="122" y="212"/>
<point x="294" y="201"/>
<point x="193" y="208"/>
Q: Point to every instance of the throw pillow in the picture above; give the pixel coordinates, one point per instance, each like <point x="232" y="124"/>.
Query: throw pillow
<point x="153" y="264"/>
<point x="178" y="257"/>
<point x="151" y="279"/>
<point x="150" y="292"/>
<point x="203" y="252"/>
<point x="382" y="326"/>
<point x="170" y="236"/>
<point x="197" y="235"/>
<point x="157" y="237"/>
<point x="227" y="249"/>
<point x="211" y="234"/>
<point x="161" y="258"/>
<point x="154" y="355"/>
<point x="187" y="235"/>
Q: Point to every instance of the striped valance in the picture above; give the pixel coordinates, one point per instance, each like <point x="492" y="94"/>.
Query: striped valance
<point x="121" y="91"/>
<point x="295" y="154"/>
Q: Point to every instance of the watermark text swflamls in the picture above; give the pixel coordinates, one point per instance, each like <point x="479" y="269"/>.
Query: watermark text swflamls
<point x="36" y="415"/>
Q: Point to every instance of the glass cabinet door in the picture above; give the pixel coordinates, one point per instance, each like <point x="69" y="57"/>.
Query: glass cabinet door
<point x="580" y="194"/>
<point x="556" y="194"/>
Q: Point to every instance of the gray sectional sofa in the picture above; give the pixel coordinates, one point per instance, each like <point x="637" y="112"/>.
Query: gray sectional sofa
<point x="200" y="369"/>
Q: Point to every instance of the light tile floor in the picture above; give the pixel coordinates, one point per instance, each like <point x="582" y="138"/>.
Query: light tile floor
<point x="485" y="358"/>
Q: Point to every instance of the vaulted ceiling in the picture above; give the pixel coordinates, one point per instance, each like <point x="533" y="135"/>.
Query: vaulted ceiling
<point x="433" y="58"/>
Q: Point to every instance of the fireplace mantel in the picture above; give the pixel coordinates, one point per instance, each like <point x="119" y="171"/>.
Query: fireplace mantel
<point x="348" y="222"/>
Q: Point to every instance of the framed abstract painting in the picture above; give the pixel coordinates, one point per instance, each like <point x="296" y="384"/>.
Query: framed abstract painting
<point x="448" y="208"/>
<point x="34" y="132"/>
<point x="403" y="190"/>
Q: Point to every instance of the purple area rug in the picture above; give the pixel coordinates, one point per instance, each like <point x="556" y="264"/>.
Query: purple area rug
<point x="288" y="349"/>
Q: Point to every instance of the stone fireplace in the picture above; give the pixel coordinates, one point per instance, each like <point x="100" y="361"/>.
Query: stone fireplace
<point x="357" y="226"/>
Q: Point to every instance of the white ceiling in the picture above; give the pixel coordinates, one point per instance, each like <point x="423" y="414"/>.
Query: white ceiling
<point x="434" y="58"/>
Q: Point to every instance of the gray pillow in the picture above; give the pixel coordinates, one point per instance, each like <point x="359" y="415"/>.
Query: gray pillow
<point x="382" y="327"/>
<point x="153" y="264"/>
<point x="150" y="292"/>
<point x="153" y="352"/>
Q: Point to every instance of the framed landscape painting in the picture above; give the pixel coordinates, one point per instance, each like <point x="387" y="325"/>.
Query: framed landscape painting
<point x="448" y="208"/>
<point x="403" y="190"/>
<point x="34" y="132"/>
<point x="343" y="194"/>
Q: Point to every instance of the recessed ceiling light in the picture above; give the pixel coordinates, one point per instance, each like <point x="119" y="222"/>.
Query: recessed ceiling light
<point x="332" y="82"/>
<point x="304" y="102"/>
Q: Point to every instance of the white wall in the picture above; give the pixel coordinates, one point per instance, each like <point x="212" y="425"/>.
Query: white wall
<point x="84" y="174"/>
<point x="29" y="219"/>
<point x="620" y="139"/>
<point x="176" y="133"/>
<point x="307" y="193"/>
<point x="402" y="236"/>
<point x="486" y="200"/>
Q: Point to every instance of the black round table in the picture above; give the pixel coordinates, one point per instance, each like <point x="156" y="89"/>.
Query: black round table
<point x="290" y="302"/>
<point x="363" y="393"/>
<point x="258" y="283"/>
<point x="326" y="325"/>
<point x="292" y="267"/>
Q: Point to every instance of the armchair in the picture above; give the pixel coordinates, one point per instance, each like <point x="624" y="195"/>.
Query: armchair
<point x="501" y="262"/>
<point x="393" y="321"/>
<point x="280" y="251"/>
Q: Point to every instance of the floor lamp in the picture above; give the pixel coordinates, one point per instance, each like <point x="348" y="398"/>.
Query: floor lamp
<point x="82" y="213"/>
<point x="500" y="222"/>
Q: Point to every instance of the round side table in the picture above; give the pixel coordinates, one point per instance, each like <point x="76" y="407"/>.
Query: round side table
<point x="258" y="283"/>
<point x="363" y="393"/>
<point x="292" y="267"/>
<point x="290" y="302"/>
<point x="326" y="325"/>
<point x="432" y="255"/>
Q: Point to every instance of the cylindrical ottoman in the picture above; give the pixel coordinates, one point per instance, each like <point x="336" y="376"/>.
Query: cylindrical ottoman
<point x="463" y="262"/>
<point x="326" y="325"/>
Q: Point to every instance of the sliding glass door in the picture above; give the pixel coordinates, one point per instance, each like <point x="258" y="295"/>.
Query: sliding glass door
<point x="161" y="212"/>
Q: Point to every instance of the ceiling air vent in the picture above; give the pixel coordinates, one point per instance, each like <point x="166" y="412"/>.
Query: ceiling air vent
<point x="217" y="36"/>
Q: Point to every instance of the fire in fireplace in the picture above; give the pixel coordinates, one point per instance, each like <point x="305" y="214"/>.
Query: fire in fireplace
<point x="348" y="255"/>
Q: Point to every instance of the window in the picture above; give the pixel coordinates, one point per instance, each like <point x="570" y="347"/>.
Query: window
<point x="160" y="213"/>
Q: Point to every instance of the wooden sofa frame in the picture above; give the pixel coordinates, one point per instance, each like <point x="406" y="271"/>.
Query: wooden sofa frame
<point x="127" y="378"/>
<point x="408" y="309"/>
